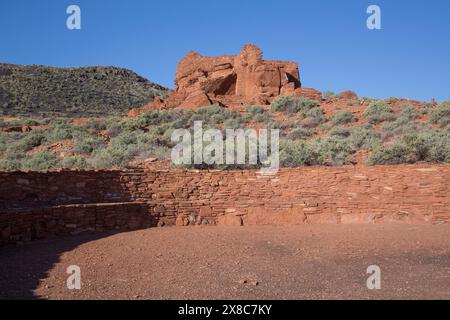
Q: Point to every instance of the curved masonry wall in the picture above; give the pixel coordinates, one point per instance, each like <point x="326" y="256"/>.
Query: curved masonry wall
<point x="37" y="205"/>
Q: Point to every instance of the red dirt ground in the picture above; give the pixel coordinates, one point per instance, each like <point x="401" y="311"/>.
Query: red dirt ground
<point x="304" y="262"/>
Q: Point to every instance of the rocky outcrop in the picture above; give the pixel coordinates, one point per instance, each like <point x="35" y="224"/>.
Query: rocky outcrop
<point x="231" y="81"/>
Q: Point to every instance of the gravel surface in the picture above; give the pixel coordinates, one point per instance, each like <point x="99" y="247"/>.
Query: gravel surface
<point x="304" y="262"/>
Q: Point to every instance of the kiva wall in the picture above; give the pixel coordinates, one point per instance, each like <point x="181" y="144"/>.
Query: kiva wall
<point x="37" y="205"/>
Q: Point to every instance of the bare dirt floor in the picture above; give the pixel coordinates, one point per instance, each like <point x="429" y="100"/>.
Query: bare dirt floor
<point x="301" y="262"/>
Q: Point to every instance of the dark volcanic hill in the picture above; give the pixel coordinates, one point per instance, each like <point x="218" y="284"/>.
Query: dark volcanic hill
<point x="77" y="92"/>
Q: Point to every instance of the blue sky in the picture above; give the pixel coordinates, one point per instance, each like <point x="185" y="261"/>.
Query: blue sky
<point x="409" y="57"/>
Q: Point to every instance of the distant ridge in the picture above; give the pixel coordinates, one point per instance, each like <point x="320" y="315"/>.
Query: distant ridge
<point x="74" y="92"/>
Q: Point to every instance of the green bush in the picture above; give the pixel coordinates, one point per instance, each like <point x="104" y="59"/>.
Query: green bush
<point x="340" y="132"/>
<point x="87" y="144"/>
<point x="429" y="146"/>
<point x="43" y="160"/>
<point x="254" y="110"/>
<point x="58" y="131"/>
<point x="353" y="103"/>
<point x="262" y="118"/>
<point x="113" y="156"/>
<point x="313" y="117"/>
<point x="343" y="117"/>
<point x="441" y="116"/>
<point x="299" y="133"/>
<point x="30" y="140"/>
<point x="292" y="105"/>
<point x="7" y="164"/>
<point x="297" y="154"/>
<point x="74" y="162"/>
<point x="332" y="150"/>
<point x="378" y="112"/>
<point x="399" y="127"/>
<point x="363" y="138"/>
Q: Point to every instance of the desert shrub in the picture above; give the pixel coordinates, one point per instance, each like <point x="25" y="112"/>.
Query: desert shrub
<point x="281" y="125"/>
<point x="36" y="122"/>
<point x="43" y="160"/>
<point x="343" y="117"/>
<point x="299" y="133"/>
<point x="74" y="162"/>
<point x="340" y="132"/>
<point x="297" y="154"/>
<point x="234" y="123"/>
<point x="392" y="154"/>
<point x="94" y="125"/>
<point x="320" y="151"/>
<point x="7" y="164"/>
<point x="4" y="142"/>
<point x="441" y="115"/>
<point x="430" y="146"/>
<point x="113" y="156"/>
<point x="30" y="140"/>
<point x="363" y="138"/>
<point x="399" y="127"/>
<point x="391" y="100"/>
<point x="257" y="114"/>
<point x="215" y="114"/>
<point x="262" y="118"/>
<point x="332" y="150"/>
<point x="87" y="144"/>
<point x="353" y="103"/>
<point x="59" y="130"/>
<point x="408" y="112"/>
<point x="292" y="105"/>
<point x="378" y="112"/>
<point x="254" y="110"/>
<point x="313" y="117"/>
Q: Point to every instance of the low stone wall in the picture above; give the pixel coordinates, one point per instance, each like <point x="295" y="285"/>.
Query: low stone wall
<point x="36" y="189"/>
<point x="407" y="193"/>
<point x="36" y="205"/>
<point x="46" y="222"/>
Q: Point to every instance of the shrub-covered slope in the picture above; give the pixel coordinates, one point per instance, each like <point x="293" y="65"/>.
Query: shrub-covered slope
<point x="333" y="132"/>
<point x="73" y="92"/>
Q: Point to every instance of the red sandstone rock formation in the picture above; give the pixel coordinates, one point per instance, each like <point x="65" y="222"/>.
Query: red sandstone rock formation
<point x="231" y="81"/>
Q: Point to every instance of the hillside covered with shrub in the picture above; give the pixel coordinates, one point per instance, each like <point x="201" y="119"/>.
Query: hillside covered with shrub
<point x="333" y="132"/>
<point x="73" y="92"/>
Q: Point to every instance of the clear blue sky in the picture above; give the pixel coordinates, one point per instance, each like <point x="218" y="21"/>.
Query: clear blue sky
<point x="409" y="57"/>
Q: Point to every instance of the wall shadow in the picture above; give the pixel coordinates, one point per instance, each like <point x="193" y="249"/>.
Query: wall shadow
<point x="22" y="267"/>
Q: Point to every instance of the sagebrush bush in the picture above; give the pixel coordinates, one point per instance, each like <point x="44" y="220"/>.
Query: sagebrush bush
<point x="43" y="160"/>
<point x="378" y="112"/>
<point x="292" y="105"/>
<point x="332" y="150"/>
<point x="254" y="110"/>
<point x="353" y="103"/>
<point x="299" y="133"/>
<point x="58" y="131"/>
<point x="340" y="132"/>
<point x="87" y="144"/>
<point x="30" y="140"/>
<point x="343" y="117"/>
<point x="430" y="146"/>
<point x="74" y="162"/>
<point x="313" y="117"/>
<point x="441" y="116"/>
<point x="364" y="138"/>
<point x="297" y="153"/>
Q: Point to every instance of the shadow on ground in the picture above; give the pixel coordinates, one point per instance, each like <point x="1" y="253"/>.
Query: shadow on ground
<point x="23" y="266"/>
